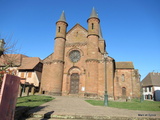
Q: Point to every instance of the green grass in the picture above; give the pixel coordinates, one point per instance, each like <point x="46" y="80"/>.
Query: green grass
<point x="132" y="105"/>
<point x="33" y="101"/>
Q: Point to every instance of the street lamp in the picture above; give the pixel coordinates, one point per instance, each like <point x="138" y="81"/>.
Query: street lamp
<point x="2" y="47"/>
<point x="105" y="68"/>
<point x="141" y="88"/>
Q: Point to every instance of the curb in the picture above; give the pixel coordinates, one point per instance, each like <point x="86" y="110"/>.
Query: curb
<point x="89" y="117"/>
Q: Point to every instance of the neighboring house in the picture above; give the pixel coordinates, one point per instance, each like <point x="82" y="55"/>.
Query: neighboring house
<point x="28" y="68"/>
<point x="151" y="86"/>
<point x="30" y="71"/>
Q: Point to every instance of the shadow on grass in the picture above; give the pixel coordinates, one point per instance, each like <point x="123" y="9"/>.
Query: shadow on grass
<point x="28" y="106"/>
<point x="23" y="113"/>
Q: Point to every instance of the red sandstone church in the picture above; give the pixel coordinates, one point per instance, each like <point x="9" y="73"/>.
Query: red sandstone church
<point x="80" y="66"/>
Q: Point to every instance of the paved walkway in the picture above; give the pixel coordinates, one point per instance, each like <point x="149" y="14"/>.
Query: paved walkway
<point x="76" y="108"/>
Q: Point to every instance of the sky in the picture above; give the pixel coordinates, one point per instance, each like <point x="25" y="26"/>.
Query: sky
<point x="131" y="28"/>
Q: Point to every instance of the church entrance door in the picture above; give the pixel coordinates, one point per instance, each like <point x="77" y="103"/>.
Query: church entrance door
<point x="74" y="85"/>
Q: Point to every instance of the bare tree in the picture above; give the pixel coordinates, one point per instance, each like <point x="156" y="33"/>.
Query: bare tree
<point x="8" y="56"/>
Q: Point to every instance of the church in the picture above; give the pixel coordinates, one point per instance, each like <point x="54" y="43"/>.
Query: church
<point x="80" y="65"/>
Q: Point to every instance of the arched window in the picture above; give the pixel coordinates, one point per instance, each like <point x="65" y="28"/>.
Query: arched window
<point x="92" y="25"/>
<point x="59" y="29"/>
<point x="123" y="77"/>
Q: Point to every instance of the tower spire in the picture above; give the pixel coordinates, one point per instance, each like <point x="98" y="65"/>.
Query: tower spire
<point x="62" y="17"/>
<point x="93" y="13"/>
<point x="100" y="33"/>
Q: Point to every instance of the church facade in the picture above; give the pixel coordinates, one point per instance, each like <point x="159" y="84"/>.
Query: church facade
<point x="80" y="65"/>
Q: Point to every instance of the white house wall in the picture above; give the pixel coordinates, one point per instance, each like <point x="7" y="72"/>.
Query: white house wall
<point x="151" y="92"/>
<point x="147" y="92"/>
<point x="156" y="88"/>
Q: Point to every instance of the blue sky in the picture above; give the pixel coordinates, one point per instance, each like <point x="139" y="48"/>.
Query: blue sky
<point x="131" y="28"/>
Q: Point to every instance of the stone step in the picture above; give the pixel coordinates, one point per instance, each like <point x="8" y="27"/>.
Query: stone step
<point x="90" y="118"/>
<point x="49" y="119"/>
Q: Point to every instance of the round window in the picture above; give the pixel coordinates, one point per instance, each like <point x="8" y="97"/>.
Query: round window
<point x="75" y="56"/>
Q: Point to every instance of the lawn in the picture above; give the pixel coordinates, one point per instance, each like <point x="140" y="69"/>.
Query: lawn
<point x="33" y="100"/>
<point x="132" y="105"/>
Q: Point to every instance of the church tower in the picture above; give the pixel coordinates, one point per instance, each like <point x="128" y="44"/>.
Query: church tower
<point x="92" y="54"/>
<point x="58" y="59"/>
<point x="61" y="26"/>
<point x="52" y="77"/>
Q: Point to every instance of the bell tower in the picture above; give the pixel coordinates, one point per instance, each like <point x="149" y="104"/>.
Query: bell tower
<point x="92" y="51"/>
<point x="58" y="59"/>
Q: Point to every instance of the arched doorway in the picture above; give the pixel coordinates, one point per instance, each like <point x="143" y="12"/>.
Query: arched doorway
<point x="74" y="83"/>
<point x="123" y="92"/>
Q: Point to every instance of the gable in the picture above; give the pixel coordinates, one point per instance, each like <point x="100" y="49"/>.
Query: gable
<point x="76" y="34"/>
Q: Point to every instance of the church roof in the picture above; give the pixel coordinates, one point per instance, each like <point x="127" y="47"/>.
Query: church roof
<point x="151" y="79"/>
<point x="29" y="63"/>
<point x="94" y="14"/>
<point x="62" y="17"/>
<point x="48" y="59"/>
<point x="124" y="65"/>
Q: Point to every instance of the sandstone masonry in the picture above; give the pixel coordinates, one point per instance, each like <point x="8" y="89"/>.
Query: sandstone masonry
<point x="78" y="67"/>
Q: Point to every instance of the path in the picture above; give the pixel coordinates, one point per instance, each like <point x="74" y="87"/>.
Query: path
<point x="76" y="108"/>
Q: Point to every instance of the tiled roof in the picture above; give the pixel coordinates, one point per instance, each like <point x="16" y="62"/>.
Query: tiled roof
<point x="151" y="79"/>
<point x="29" y="63"/>
<point x="124" y="65"/>
<point x="12" y="59"/>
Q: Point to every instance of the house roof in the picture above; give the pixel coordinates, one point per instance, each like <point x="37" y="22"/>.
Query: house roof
<point x="152" y="79"/>
<point x="29" y="63"/>
<point x="11" y="59"/>
<point x="124" y="65"/>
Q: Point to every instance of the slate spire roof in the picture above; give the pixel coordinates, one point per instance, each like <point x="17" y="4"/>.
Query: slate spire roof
<point x="62" y="17"/>
<point x="94" y="14"/>
<point x="100" y="33"/>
